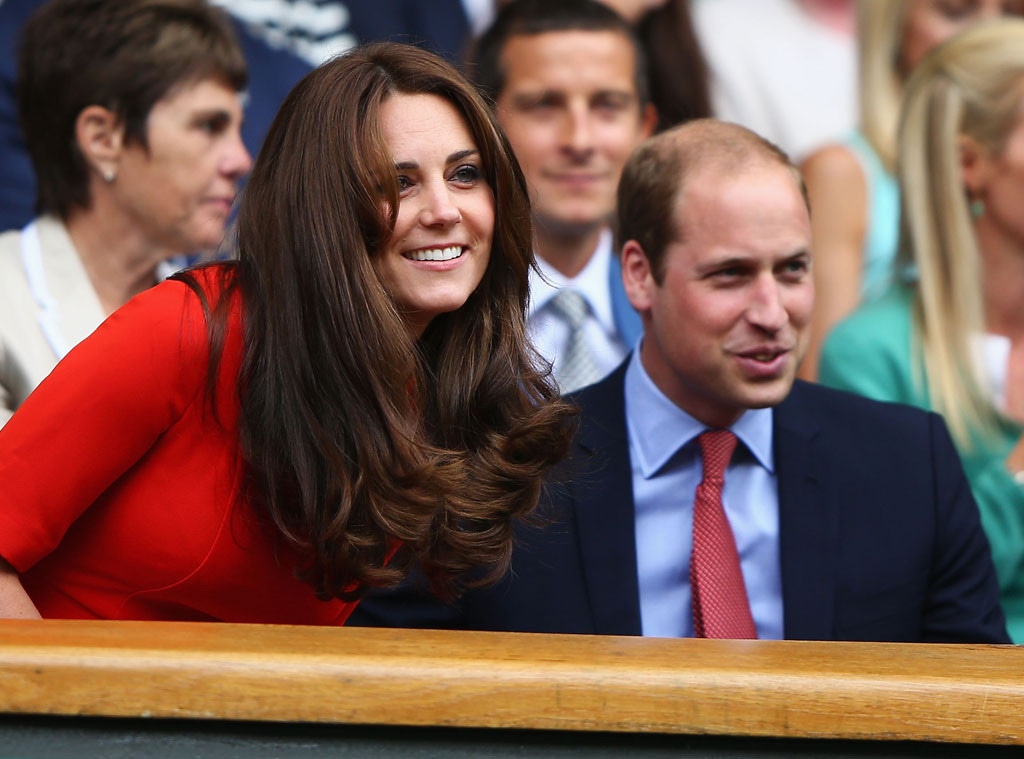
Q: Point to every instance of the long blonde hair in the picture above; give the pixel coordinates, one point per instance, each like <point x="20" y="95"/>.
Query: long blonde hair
<point x="880" y="25"/>
<point x="971" y="85"/>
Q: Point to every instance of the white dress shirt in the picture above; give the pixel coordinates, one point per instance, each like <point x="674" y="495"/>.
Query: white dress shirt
<point x="550" y="333"/>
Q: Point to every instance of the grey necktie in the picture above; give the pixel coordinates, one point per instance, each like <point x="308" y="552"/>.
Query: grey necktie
<point x="577" y="366"/>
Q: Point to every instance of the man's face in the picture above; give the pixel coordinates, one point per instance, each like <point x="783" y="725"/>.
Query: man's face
<point x="571" y="110"/>
<point x="727" y="327"/>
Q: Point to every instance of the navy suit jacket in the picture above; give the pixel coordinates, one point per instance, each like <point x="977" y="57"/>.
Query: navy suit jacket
<point x="880" y="538"/>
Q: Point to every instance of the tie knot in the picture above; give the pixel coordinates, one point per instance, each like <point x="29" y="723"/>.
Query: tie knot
<point x="571" y="306"/>
<point x="717" y="447"/>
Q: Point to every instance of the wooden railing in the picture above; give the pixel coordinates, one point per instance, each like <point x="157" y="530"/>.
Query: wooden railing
<point x="784" y="689"/>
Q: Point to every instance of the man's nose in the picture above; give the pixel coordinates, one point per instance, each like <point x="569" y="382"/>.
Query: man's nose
<point x="767" y="310"/>
<point x="578" y="133"/>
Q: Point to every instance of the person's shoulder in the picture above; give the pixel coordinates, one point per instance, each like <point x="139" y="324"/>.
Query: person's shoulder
<point x="10" y="246"/>
<point x="842" y="410"/>
<point x="179" y="306"/>
<point x="209" y="280"/>
<point x="882" y="318"/>
<point x="832" y="162"/>
<point x="601" y="411"/>
<point x="604" y="395"/>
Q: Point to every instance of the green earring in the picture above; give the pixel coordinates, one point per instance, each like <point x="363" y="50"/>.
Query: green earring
<point x="977" y="208"/>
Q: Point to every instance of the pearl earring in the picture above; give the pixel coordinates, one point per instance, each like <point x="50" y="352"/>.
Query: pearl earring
<point x="109" y="175"/>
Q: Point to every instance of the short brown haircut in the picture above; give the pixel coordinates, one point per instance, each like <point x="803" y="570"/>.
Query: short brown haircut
<point x="124" y="55"/>
<point x="653" y="179"/>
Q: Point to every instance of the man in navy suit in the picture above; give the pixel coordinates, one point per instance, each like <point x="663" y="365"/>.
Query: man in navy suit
<point x="852" y="519"/>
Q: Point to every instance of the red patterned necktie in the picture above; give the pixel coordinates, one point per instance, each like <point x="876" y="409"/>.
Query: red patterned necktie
<point x="720" y="605"/>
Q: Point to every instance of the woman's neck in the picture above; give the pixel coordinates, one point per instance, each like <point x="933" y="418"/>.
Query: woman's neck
<point x="1002" y="261"/>
<point x="118" y="259"/>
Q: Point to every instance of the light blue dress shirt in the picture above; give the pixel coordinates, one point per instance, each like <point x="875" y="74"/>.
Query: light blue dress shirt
<point x="667" y="469"/>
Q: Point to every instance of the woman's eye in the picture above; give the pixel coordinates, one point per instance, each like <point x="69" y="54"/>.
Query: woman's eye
<point x="404" y="183"/>
<point x="467" y="174"/>
<point x="214" y="124"/>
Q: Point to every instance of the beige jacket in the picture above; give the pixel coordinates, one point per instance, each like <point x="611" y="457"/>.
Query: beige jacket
<point x="28" y="349"/>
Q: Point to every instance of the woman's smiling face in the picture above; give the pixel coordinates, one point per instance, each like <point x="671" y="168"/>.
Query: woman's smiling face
<point x="441" y="244"/>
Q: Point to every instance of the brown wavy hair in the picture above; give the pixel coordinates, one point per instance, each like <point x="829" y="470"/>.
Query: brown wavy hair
<point x="353" y="436"/>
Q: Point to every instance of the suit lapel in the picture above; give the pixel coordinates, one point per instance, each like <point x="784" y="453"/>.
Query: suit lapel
<point x="603" y="509"/>
<point x="808" y="522"/>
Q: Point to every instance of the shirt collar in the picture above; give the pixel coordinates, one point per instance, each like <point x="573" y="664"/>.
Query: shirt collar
<point x="591" y="282"/>
<point x="658" y="428"/>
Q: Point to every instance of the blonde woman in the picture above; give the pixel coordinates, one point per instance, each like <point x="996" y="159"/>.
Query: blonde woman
<point x="953" y="339"/>
<point x="852" y="184"/>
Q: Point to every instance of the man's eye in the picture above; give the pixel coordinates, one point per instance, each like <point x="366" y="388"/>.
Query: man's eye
<point x="731" y="272"/>
<point x="611" y="104"/>
<point x="543" y="103"/>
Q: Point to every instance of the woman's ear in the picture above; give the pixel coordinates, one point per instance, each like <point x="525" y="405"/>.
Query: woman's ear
<point x="974" y="165"/>
<point x="100" y="136"/>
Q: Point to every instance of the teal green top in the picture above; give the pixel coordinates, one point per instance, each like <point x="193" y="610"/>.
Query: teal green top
<point x="871" y="353"/>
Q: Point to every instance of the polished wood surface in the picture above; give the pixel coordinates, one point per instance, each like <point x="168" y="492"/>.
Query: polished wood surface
<point x="786" y="689"/>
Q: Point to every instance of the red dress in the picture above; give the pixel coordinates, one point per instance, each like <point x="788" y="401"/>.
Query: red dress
<point x="118" y="487"/>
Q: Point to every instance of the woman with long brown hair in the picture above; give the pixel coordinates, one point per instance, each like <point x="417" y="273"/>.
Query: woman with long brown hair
<point x="263" y="440"/>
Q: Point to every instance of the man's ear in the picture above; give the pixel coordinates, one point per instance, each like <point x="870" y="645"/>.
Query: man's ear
<point x="648" y="121"/>
<point x="100" y="137"/>
<point x="974" y="165"/>
<point x="637" y="278"/>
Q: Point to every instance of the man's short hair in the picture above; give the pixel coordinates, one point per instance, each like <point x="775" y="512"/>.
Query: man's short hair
<point x="531" y="17"/>
<point x="653" y="179"/>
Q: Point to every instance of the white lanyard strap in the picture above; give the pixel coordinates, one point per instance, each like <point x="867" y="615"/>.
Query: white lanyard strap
<point x="49" y="311"/>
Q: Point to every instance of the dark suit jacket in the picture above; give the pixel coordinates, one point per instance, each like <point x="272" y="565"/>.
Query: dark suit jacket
<point x="880" y="537"/>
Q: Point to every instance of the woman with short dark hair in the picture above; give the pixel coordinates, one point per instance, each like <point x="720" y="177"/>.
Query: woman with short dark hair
<point x="131" y="112"/>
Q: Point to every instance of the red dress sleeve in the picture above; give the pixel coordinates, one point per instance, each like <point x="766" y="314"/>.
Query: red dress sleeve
<point x="100" y="410"/>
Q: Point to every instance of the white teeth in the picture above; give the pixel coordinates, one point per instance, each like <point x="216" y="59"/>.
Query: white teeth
<point x="436" y="254"/>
